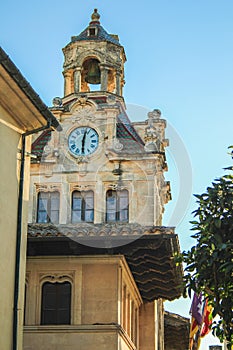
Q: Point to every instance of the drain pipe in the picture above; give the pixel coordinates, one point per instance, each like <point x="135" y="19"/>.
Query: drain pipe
<point x="19" y="234"/>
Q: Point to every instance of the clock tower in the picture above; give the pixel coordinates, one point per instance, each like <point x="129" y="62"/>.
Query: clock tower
<point x="100" y="263"/>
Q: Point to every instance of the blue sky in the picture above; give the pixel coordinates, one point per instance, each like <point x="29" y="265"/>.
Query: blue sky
<point x="180" y="60"/>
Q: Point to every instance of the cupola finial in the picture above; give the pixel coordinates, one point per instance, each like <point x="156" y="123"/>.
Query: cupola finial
<point x="95" y="16"/>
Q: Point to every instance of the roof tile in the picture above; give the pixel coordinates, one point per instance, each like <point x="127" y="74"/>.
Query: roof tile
<point x="102" y="35"/>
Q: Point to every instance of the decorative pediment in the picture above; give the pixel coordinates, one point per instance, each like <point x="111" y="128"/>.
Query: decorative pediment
<point x="117" y="186"/>
<point x="55" y="277"/>
<point x="48" y="187"/>
<point x="76" y="187"/>
<point x="83" y="109"/>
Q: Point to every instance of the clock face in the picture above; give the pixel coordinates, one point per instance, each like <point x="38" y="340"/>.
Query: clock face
<point x="83" y="141"/>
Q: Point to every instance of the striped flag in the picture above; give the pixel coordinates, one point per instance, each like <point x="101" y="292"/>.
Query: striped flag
<point x="207" y="318"/>
<point x="196" y="321"/>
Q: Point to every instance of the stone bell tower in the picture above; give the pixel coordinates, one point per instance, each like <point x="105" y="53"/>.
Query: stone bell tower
<point x="94" y="60"/>
<point x="100" y="263"/>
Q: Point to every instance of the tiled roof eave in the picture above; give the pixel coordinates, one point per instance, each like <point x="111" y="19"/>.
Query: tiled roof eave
<point x="24" y="85"/>
<point x="97" y="39"/>
<point x="102" y="35"/>
<point x="148" y="251"/>
<point x="176" y="332"/>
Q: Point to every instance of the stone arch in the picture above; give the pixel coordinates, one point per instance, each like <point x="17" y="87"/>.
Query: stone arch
<point x="90" y="54"/>
<point x="90" y="73"/>
<point x="55" y="277"/>
<point x="83" y="104"/>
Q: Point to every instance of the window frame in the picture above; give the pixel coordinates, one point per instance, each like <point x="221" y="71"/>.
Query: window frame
<point x="58" y="307"/>
<point x="92" y="31"/>
<point x="49" y="209"/>
<point x="84" y="208"/>
<point x="118" y="209"/>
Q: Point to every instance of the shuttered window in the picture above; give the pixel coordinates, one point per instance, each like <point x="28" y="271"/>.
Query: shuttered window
<point x="56" y="303"/>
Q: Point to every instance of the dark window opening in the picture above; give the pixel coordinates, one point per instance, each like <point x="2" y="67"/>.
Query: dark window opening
<point x="92" y="31"/>
<point x="117" y="206"/>
<point x="56" y="303"/>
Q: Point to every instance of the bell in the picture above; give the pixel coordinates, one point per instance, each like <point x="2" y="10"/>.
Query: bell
<point x="93" y="73"/>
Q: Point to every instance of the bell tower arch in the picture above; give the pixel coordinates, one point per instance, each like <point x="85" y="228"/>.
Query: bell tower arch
<point x="94" y="60"/>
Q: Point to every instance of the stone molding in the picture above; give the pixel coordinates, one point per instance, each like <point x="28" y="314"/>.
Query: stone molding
<point x="47" y="187"/>
<point x="57" y="277"/>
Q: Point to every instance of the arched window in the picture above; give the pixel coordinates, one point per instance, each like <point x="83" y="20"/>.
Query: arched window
<point x="82" y="206"/>
<point x="48" y="207"/>
<point x="56" y="303"/>
<point x="117" y="206"/>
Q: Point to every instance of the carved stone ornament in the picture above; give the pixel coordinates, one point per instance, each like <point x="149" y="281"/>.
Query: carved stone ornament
<point x="81" y="188"/>
<point x="56" y="277"/>
<point x="116" y="145"/>
<point x="47" y="150"/>
<point x="82" y="113"/>
<point x="48" y="187"/>
<point x="117" y="187"/>
<point x="151" y="134"/>
<point x="155" y="114"/>
<point x="57" y="102"/>
<point x="82" y="101"/>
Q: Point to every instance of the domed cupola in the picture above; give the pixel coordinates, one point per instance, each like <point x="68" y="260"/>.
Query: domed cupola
<point x="94" y="61"/>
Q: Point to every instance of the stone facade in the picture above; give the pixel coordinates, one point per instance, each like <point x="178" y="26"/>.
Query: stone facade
<point x="141" y="170"/>
<point x="97" y="196"/>
<point x="95" y="315"/>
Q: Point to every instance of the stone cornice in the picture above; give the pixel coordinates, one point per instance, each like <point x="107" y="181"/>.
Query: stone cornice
<point x="96" y="230"/>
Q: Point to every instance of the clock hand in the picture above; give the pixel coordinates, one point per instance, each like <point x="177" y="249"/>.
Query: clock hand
<point x="83" y="140"/>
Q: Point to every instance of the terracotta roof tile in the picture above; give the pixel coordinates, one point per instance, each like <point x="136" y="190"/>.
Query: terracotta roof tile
<point x="148" y="251"/>
<point x="127" y="135"/>
<point x="39" y="144"/>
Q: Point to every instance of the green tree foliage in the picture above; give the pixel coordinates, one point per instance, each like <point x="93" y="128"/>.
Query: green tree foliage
<point x="209" y="264"/>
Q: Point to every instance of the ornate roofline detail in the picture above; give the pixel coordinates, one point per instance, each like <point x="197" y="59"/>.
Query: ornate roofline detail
<point x="96" y="230"/>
